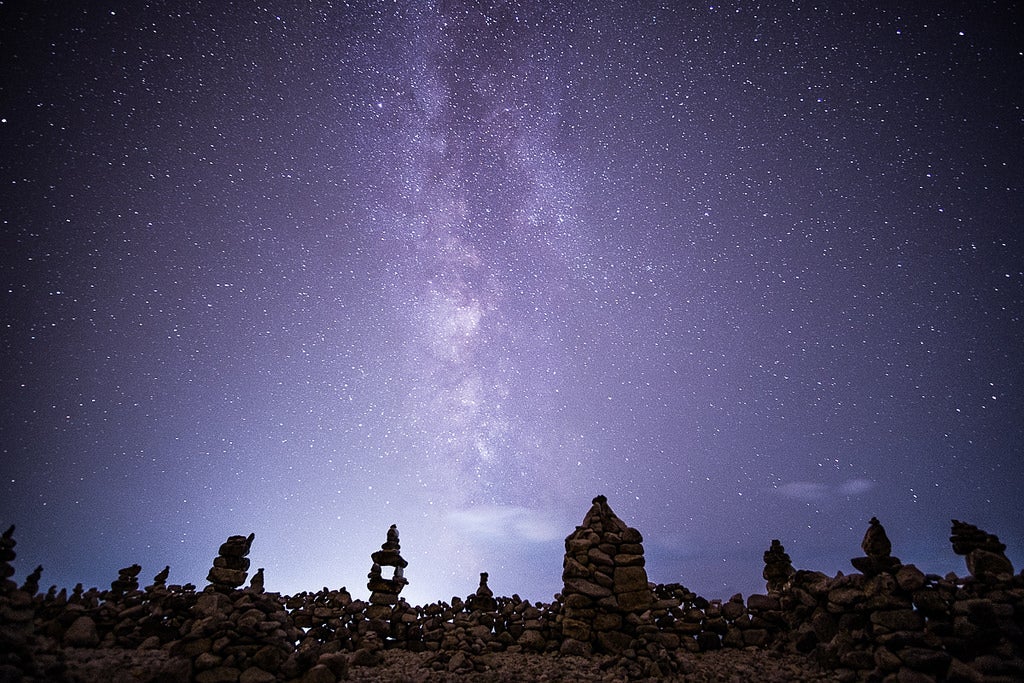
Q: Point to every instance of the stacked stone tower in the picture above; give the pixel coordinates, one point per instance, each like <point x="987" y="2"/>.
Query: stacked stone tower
<point x="384" y="592"/>
<point x="605" y="588"/>
<point x="231" y="566"/>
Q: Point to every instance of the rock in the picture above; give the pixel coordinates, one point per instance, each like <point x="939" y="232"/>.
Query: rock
<point x="930" y="661"/>
<point x="82" y="633"/>
<point x="221" y="674"/>
<point x="319" y="674"/>
<point x="898" y="620"/>
<point x="256" y="675"/>
<point x="910" y="578"/>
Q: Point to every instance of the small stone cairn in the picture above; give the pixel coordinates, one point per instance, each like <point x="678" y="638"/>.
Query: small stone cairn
<point x="384" y="592"/>
<point x="778" y="568"/>
<point x="984" y="553"/>
<point x="605" y="588"/>
<point x="127" y="581"/>
<point x="483" y="599"/>
<point x="877" y="550"/>
<point x="231" y="566"/>
<point x="160" y="580"/>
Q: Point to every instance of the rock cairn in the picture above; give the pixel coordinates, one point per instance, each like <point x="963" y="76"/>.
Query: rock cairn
<point x="127" y="581"/>
<point x="384" y="592"/>
<point x="483" y="599"/>
<point x="16" y="615"/>
<point x="231" y="566"/>
<point x="160" y="580"/>
<point x="31" y="585"/>
<point x="984" y="553"/>
<point x="877" y="550"/>
<point x="605" y="587"/>
<point x="778" y="568"/>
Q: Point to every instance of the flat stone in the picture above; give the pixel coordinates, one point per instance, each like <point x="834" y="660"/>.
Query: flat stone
<point x="587" y="588"/>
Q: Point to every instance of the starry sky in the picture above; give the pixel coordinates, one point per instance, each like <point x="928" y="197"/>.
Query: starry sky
<point x="307" y="269"/>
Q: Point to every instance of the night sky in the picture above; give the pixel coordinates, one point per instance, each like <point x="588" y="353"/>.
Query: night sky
<point x="751" y="270"/>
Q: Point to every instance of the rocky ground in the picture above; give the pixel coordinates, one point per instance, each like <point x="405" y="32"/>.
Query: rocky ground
<point x="399" y="666"/>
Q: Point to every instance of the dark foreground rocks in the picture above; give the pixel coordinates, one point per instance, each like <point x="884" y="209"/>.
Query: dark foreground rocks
<point x="887" y="623"/>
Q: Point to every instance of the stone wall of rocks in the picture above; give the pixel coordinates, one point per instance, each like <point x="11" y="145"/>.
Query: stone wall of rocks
<point x="886" y="622"/>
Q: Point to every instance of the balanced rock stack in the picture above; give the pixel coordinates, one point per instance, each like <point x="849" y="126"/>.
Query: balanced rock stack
<point x="483" y="599"/>
<point x="127" y="581"/>
<point x="384" y="592"/>
<point x="778" y="568"/>
<point x="877" y="550"/>
<point x="160" y="580"/>
<point x="605" y="585"/>
<point x="984" y="553"/>
<point x="31" y="585"/>
<point x="231" y="566"/>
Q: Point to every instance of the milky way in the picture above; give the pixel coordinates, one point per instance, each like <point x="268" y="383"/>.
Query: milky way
<point x="750" y="272"/>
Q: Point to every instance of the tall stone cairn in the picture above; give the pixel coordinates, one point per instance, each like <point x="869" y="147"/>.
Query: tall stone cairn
<point x="984" y="552"/>
<point x="384" y="592"/>
<point x="231" y="566"/>
<point x="605" y="586"/>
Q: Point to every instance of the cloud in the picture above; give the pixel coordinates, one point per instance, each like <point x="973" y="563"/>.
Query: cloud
<point x="508" y="522"/>
<point x="812" y="491"/>
<point x="855" y="487"/>
<point x="804" y="490"/>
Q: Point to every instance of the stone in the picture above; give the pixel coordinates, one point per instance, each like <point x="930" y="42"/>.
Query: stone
<point x="922" y="659"/>
<point x="986" y="564"/>
<point x="898" y="620"/>
<point x="319" y="674"/>
<point x="221" y="674"/>
<point x="82" y="633"/>
<point x="256" y="675"/>
<point x="910" y="578"/>
<point x="256" y="583"/>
